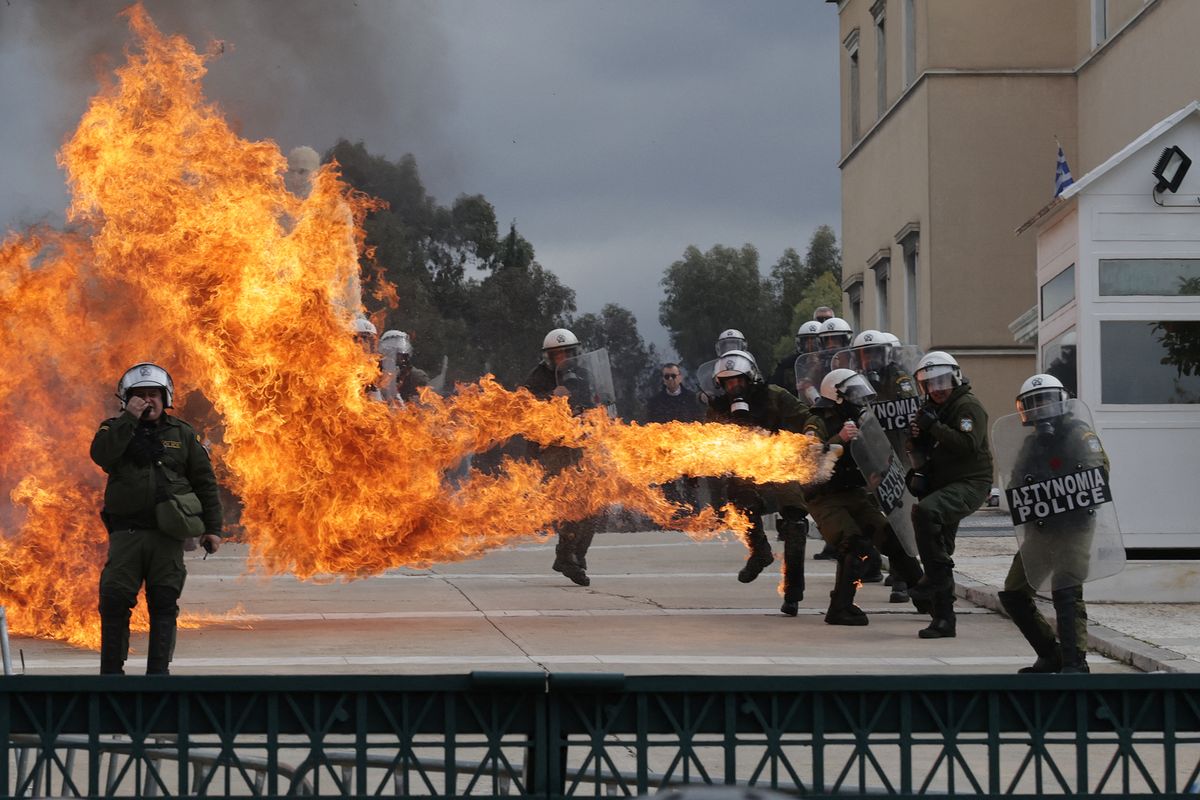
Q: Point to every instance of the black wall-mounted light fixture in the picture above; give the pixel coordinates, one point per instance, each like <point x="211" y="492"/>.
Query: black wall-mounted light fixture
<point x="1172" y="166"/>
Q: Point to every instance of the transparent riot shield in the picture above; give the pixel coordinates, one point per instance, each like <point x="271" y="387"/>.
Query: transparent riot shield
<point x="889" y="369"/>
<point x="588" y="381"/>
<point x="811" y="368"/>
<point x="706" y="378"/>
<point x="884" y="472"/>
<point x="1055" y="481"/>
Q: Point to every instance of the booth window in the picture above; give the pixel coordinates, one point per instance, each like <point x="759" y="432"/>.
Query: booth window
<point x="1149" y="363"/>
<point x="1058" y="291"/>
<point x="1058" y="359"/>
<point x="1154" y="277"/>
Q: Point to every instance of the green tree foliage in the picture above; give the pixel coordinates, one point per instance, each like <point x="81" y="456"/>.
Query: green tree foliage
<point x="707" y="292"/>
<point x="465" y="292"/>
<point x="1181" y="339"/>
<point x="826" y="290"/>
<point x="515" y="307"/>
<point x="615" y="329"/>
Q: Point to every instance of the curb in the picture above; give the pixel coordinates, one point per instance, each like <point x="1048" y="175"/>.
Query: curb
<point x="1102" y="639"/>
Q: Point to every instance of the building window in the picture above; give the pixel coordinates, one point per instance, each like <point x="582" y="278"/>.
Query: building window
<point x="853" y="289"/>
<point x="880" y="264"/>
<point x="878" y="11"/>
<point x="1099" y="22"/>
<point x="1149" y="363"/>
<point x="851" y="44"/>
<point x="910" y="42"/>
<point x="1155" y="277"/>
<point x="1058" y="291"/>
<point x="1058" y="359"/>
<point x="909" y="239"/>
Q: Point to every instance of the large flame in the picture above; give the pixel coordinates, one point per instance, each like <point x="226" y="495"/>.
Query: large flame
<point x="194" y="255"/>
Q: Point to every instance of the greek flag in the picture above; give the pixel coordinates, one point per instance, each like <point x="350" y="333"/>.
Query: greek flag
<point x="1062" y="174"/>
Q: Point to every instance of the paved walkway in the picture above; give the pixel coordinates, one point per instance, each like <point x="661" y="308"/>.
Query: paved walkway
<point x="659" y="603"/>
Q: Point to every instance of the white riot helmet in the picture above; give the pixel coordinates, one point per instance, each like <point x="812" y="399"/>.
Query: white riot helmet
<point x="835" y="334"/>
<point x="730" y="339"/>
<point x="364" y="327"/>
<point x="559" y="339"/>
<point x="736" y="362"/>
<point x="938" y="370"/>
<point x="871" y="350"/>
<point x="846" y="385"/>
<point x="1042" y="397"/>
<point x="807" y="340"/>
<point x="146" y="375"/>
<point x="395" y="342"/>
<point x="892" y="338"/>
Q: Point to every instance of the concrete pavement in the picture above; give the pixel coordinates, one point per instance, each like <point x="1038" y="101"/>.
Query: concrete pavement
<point x="659" y="603"/>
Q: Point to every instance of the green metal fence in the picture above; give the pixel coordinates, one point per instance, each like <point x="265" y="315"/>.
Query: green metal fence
<point x="572" y="735"/>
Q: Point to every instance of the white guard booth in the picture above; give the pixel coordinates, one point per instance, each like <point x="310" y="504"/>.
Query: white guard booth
<point x="1118" y="321"/>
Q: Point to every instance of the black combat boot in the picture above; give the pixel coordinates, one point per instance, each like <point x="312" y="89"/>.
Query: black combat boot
<point x="583" y="540"/>
<point x="944" y="624"/>
<point x="827" y="553"/>
<point x="760" y="553"/>
<point x="842" y="610"/>
<point x="794" y="535"/>
<point x="162" y="602"/>
<point x="1068" y="609"/>
<point x="1024" y="614"/>
<point x="114" y="634"/>
<point x="565" y="560"/>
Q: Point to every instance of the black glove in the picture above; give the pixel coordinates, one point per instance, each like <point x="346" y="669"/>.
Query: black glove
<point x="925" y="419"/>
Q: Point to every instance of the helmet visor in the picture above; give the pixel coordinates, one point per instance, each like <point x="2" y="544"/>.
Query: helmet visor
<point x="725" y="345"/>
<point x="835" y="340"/>
<point x="936" y="378"/>
<point x="1041" y="404"/>
<point x="872" y="357"/>
<point x="856" y="390"/>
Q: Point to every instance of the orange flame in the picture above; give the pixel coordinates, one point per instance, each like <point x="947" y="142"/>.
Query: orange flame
<point x="194" y="255"/>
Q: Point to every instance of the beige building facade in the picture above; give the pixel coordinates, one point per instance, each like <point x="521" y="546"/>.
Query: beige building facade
<point x="950" y="112"/>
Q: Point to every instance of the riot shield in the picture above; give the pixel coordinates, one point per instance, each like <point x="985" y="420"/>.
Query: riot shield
<point x="1054" y="474"/>
<point x="588" y="380"/>
<point x="884" y="472"/>
<point x="706" y="378"/>
<point x="811" y="368"/>
<point x="889" y="369"/>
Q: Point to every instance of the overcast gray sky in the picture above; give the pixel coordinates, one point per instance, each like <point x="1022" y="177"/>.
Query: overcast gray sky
<point x="615" y="133"/>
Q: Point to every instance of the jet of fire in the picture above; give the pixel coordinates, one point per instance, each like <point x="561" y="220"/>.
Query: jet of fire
<point x="193" y="254"/>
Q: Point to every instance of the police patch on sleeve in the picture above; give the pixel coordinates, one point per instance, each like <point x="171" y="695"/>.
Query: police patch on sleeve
<point x="1093" y="443"/>
<point x="966" y="424"/>
<point x="906" y="385"/>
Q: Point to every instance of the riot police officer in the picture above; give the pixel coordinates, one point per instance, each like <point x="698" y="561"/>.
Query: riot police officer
<point x="574" y="537"/>
<point x="160" y="491"/>
<point x="397" y="351"/>
<point x="872" y="353"/>
<point x="846" y="514"/>
<point x="1059" y="547"/>
<point x="807" y="341"/>
<point x="951" y="477"/>
<point x="747" y="400"/>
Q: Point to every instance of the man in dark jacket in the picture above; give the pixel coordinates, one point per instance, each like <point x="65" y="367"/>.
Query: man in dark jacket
<point x="161" y="490"/>
<point x="672" y="404"/>
<point x="951" y="478"/>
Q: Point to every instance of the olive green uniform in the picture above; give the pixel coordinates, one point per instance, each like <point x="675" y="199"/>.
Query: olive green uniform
<point x="773" y="409"/>
<point x="1074" y="442"/>
<point x="145" y="463"/>
<point x="951" y="478"/>
<point x="849" y="518"/>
